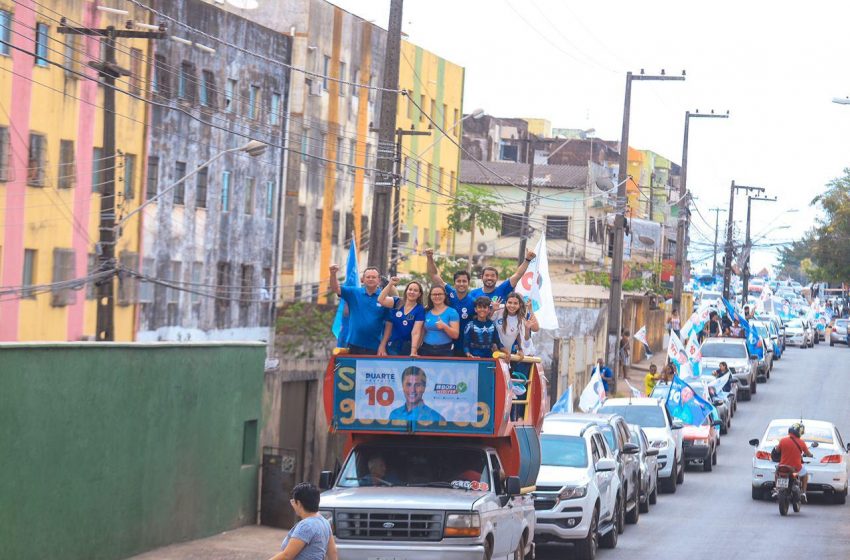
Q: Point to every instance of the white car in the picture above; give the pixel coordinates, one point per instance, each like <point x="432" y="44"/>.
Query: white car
<point x="664" y="433"/>
<point x="578" y="497"/>
<point x="828" y="470"/>
<point x="798" y="334"/>
<point x="734" y="352"/>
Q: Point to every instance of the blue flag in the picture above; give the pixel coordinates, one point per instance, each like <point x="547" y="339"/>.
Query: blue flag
<point x="565" y="402"/>
<point x="352" y="278"/>
<point x="685" y="404"/>
<point x="754" y="344"/>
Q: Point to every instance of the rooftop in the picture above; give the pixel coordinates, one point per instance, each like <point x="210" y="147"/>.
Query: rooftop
<point x="508" y="172"/>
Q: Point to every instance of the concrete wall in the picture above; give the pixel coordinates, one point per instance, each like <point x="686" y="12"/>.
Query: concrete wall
<point x="110" y="450"/>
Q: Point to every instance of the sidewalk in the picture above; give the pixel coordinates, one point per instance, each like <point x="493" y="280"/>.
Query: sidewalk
<point x="253" y="542"/>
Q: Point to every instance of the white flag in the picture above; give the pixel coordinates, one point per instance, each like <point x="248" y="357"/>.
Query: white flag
<point x="722" y="381"/>
<point x="640" y="336"/>
<point x="536" y="286"/>
<point x="594" y="394"/>
<point x="635" y="392"/>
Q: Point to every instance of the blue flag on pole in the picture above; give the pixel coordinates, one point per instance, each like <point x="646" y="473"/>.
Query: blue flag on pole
<point x="565" y="402"/>
<point x="754" y="343"/>
<point x="352" y="278"/>
<point x="685" y="404"/>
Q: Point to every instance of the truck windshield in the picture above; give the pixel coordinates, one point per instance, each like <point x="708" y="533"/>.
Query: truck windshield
<point x="723" y="350"/>
<point x="643" y="416"/>
<point x="441" y="467"/>
<point x="563" y="451"/>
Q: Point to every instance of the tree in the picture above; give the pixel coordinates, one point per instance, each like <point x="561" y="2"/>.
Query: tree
<point x="831" y="248"/>
<point x="473" y="210"/>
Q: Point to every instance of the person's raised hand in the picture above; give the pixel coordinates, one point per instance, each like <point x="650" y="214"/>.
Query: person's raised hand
<point x="395" y="280"/>
<point x="429" y="252"/>
<point x="334" y="269"/>
<point x="530" y="255"/>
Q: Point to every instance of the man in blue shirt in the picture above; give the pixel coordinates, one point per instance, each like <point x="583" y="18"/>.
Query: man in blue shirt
<point x="413" y="382"/>
<point x="365" y="315"/>
<point x="458" y="297"/>
<point x="605" y="373"/>
<point x="490" y="277"/>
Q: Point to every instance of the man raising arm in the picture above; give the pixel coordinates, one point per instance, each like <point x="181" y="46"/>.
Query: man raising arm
<point x="457" y="295"/>
<point x="366" y="316"/>
<point x="490" y="277"/>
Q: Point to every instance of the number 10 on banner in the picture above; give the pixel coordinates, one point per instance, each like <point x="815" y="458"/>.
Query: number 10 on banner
<point x="383" y="396"/>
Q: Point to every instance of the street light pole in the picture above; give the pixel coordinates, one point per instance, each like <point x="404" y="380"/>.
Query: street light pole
<point x="748" y="247"/>
<point x="681" y="223"/>
<point x="616" y="293"/>
<point x="727" y="261"/>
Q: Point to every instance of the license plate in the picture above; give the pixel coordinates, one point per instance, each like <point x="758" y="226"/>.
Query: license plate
<point x="782" y="483"/>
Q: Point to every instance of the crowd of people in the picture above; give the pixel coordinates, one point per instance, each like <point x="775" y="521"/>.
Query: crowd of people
<point x="453" y="320"/>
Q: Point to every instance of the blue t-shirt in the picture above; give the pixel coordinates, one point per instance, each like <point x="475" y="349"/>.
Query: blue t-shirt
<point x="315" y="532"/>
<point x="499" y="293"/>
<point x="479" y="338"/>
<point x="365" y="317"/>
<point x="421" y="413"/>
<point x="435" y="336"/>
<point x="403" y="322"/>
<point x="465" y="307"/>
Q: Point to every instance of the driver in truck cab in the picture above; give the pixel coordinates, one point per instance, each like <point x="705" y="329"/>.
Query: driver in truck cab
<point x="414" y="409"/>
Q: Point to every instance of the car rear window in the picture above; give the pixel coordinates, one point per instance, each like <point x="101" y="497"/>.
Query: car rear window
<point x="723" y="350"/>
<point x="563" y="451"/>
<point x="841" y="323"/>
<point x="819" y="434"/>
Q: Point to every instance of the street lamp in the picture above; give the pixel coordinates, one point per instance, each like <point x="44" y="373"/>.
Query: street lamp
<point x="253" y="148"/>
<point x="841" y="100"/>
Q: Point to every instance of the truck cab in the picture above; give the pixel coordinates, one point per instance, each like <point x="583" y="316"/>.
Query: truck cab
<point x="441" y="457"/>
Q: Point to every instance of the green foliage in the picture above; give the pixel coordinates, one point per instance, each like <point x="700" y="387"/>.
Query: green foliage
<point x="304" y="329"/>
<point x="594" y="278"/>
<point x="635" y="283"/>
<point x="474" y="205"/>
<point x="830" y="251"/>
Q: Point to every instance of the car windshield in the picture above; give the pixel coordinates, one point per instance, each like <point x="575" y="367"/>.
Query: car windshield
<point x="378" y="465"/>
<point x="795" y="324"/>
<point x="723" y="350"/>
<point x="563" y="451"/>
<point x="820" y="434"/>
<point x="643" y="416"/>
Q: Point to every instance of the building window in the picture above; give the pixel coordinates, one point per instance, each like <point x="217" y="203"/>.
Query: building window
<point x="440" y="180"/>
<point x="5" y="32"/>
<point x="355" y="79"/>
<point x="4" y="153"/>
<point x="253" y="102"/>
<point x="335" y="228"/>
<point x="36" y="160"/>
<point x="135" y="71"/>
<point x="452" y="186"/>
<point x="194" y="297"/>
<point x="201" y="180"/>
<point x="317" y="230"/>
<point x="96" y="169"/>
<point x="66" y="173"/>
<point x="129" y="176"/>
<point x="29" y="273"/>
<point x="456" y="122"/>
<point x="274" y="110"/>
<point x="186" y="83"/>
<point x="161" y="83"/>
<point x="71" y="56"/>
<point x="63" y="270"/>
<point x="301" y="226"/>
<point x="445" y="118"/>
<point x="222" y="292"/>
<point x="558" y="228"/>
<point x="250" y="187"/>
<point x="511" y="225"/>
<point x="421" y="108"/>
<point x="225" y="191"/>
<point x="206" y="95"/>
<point x="41" y="36"/>
<point x="146" y="289"/>
<point x="229" y="93"/>
<point x="266" y="297"/>
<point x="339" y="154"/>
<point x="269" y="198"/>
<point x="179" y="189"/>
<point x="341" y="77"/>
<point x="173" y="295"/>
<point x="128" y="286"/>
<point x="246" y="294"/>
<point x="91" y="267"/>
<point x="508" y="152"/>
<point x="433" y="114"/>
<point x="326" y="71"/>
<point x="152" y="184"/>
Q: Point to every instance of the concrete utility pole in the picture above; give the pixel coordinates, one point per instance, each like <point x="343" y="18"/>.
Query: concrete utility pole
<point x="397" y="180"/>
<point x="748" y="247"/>
<point x="717" y="212"/>
<point x="682" y="222"/>
<point x="616" y="294"/>
<point x="523" y="232"/>
<point x="730" y="223"/>
<point x="379" y="231"/>
<point x="109" y="71"/>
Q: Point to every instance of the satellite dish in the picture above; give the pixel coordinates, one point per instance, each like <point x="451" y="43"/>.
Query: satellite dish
<point x="604" y="183"/>
<point x="244" y="4"/>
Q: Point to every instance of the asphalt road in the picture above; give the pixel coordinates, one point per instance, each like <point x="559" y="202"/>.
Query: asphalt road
<point x="712" y="515"/>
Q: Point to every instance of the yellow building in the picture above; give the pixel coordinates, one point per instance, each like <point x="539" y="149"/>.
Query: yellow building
<point x="430" y="163"/>
<point x="539" y="127"/>
<point x="50" y="166"/>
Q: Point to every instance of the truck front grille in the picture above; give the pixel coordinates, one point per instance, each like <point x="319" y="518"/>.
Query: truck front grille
<point x="388" y="525"/>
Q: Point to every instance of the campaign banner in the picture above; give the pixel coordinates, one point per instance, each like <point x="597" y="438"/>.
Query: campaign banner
<point x="410" y="395"/>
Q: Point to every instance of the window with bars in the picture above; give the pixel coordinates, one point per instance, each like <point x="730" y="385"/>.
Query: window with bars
<point x="5" y="32"/>
<point x="36" y="160"/>
<point x="161" y="82"/>
<point x="66" y="174"/>
<point x="201" y="181"/>
<point x="179" y="190"/>
<point x="511" y="225"/>
<point x="135" y="71"/>
<point x="206" y="95"/>
<point x="186" y="82"/>
<point x="128" y="286"/>
<point x="269" y="199"/>
<point x="29" y="273"/>
<point x="96" y="169"/>
<point x="129" y="176"/>
<point x="254" y="102"/>
<point x="4" y="153"/>
<point x="557" y="228"/>
<point x="274" y="110"/>
<point x="63" y="270"/>
<point x="225" y="191"/>
<point x="317" y="230"/>
<point x="152" y="182"/>
<point x="41" y="48"/>
<point x="246" y="294"/>
<point x="250" y="188"/>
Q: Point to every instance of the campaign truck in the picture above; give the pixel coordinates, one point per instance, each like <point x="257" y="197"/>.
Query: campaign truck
<point x="442" y="455"/>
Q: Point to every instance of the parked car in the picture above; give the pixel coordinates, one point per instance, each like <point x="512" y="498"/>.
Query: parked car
<point x="648" y="468"/>
<point x="734" y="352"/>
<point x="766" y="361"/>
<point x="578" y="498"/>
<point x="797" y="334"/>
<point x="664" y="434"/>
<point x="616" y="432"/>
<point x="838" y="334"/>
<point x="828" y="471"/>
<point x="700" y="443"/>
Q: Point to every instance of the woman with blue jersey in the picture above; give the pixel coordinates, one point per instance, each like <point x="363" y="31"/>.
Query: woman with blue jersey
<point x="442" y="325"/>
<point x="405" y="317"/>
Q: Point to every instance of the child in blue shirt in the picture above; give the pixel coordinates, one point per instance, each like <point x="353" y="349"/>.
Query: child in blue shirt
<point x="480" y="339"/>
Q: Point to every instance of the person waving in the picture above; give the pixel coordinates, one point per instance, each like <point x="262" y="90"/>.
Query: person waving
<point x="405" y="317"/>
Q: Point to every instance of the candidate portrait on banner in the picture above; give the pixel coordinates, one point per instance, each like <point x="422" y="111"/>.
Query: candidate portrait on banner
<point x="414" y="382"/>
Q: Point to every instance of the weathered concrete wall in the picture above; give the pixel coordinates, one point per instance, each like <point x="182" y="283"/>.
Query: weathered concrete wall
<point x="110" y="450"/>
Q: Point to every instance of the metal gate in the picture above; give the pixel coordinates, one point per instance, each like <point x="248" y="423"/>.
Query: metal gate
<point x="278" y="481"/>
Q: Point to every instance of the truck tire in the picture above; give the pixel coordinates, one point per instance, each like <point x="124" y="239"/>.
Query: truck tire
<point x="519" y="553"/>
<point x="668" y="485"/>
<point x="488" y="548"/>
<point x="585" y="549"/>
<point x="609" y="539"/>
<point x="632" y="517"/>
<point x="681" y="478"/>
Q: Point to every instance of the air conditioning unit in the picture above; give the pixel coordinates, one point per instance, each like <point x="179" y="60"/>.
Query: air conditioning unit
<point x="316" y="87"/>
<point x="403" y="237"/>
<point x="482" y="248"/>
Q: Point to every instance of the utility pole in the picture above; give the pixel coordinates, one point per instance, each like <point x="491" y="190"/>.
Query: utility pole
<point x="717" y="212"/>
<point x="730" y="223"/>
<point x="108" y="71"/>
<point x="747" y="248"/>
<point x="682" y="222"/>
<point x="379" y="231"/>
<point x="397" y="181"/>
<point x="616" y="294"/>
<point x="523" y="232"/>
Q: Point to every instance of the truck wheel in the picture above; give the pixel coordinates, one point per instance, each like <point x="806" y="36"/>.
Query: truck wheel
<point x="519" y="553"/>
<point x="609" y="539"/>
<point x="748" y="396"/>
<point x="488" y="548"/>
<point x="708" y="464"/>
<point x="585" y="549"/>
<point x="632" y="517"/>
<point x="681" y="477"/>
<point x="840" y="498"/>
<point x="653" y="496"/>
<point x="757" y="493"/>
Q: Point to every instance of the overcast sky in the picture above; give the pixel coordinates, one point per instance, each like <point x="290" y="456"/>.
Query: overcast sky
<point x="774" y="65"/>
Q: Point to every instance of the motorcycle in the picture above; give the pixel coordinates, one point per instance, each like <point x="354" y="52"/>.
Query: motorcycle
<point x="788" y="488"/>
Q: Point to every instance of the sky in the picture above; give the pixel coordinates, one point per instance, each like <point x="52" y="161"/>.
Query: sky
<point x="775" y="66"/>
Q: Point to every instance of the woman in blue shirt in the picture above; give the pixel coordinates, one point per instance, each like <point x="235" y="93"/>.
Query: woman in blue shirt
<point x="405" y="316"/>
<point x="442" y="325"/>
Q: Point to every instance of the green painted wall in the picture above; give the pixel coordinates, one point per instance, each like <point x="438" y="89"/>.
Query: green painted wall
<point x="111" y="450"/>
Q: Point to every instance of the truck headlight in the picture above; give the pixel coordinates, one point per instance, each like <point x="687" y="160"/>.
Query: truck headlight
<point x="462" y="525"/>
<point x="329" y="515"/>
<point x="571" y="492"/>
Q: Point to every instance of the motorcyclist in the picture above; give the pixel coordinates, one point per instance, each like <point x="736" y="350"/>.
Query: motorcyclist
<point x="792" y="449"/>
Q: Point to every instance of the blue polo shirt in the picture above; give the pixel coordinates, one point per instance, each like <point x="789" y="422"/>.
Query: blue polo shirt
<point x="465" y="307"/>
<point x="365" y="317"/>
<point x="421" y="413"/>
<point x="403" y="322"/>
<point x="499" y="294"/>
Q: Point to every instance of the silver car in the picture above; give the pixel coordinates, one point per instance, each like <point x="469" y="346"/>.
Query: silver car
<point x="734" y="352"/>
<point x="838" y="334"/>
<point x="648" y="468"/>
